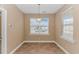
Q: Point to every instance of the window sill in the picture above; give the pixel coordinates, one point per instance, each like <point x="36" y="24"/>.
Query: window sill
<point x="39" y="34"/>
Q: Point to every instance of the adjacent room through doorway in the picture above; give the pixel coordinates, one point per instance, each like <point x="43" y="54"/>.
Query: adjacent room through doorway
<point x="0" y="33"/>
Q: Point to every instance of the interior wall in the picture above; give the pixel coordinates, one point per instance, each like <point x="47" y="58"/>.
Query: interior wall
<point x="31" y="37"/>
<point x="15" y="26"/>
<point x="70" y="47"/>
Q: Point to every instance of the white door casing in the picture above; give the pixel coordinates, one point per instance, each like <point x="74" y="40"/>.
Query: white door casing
<point x="4" y="30"/>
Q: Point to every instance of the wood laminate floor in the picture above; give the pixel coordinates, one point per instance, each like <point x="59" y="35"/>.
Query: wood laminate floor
<point x="39" y="48"/>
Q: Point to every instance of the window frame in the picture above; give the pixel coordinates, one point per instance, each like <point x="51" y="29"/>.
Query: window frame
<point x="39" y="32"/>
<point x="65" y="37"/>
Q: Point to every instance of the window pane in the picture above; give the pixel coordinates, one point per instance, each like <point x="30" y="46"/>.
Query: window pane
<point x="68" y="25"/>
<point x="39" y="27"/>
<point x="68" y="28"/>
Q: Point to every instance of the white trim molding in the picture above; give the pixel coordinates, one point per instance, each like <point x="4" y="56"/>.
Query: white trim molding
<point x="38" y="41"/>
<point x="16" y="48"/>
<point x="61" y="47"/>
<point x="4" y="31"/>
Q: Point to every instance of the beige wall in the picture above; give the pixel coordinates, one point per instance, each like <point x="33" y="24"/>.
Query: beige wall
<point x="70" y="47"/>
<point x="15" y="26"/>
<point x="30" y="37"/>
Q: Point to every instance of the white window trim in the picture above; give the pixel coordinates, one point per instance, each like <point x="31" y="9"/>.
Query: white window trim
<point x="39" y="33"/>
<point x="71" y="40"/>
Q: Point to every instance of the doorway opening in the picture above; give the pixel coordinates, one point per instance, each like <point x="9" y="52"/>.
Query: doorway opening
<point x="0" y="33"/>
<point x="3" y="31"/>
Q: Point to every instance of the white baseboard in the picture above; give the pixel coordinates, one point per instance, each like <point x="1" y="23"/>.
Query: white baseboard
<point x="61" y="47"/>
<point x="40" y="42"/>
<point x="16" y="48"/>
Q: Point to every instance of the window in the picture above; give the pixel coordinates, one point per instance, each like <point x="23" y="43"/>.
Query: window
<point x="67" y="31"/>
<point x="39" y="25"/>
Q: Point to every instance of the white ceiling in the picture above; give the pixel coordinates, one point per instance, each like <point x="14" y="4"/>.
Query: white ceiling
<point x="44" y="8"/>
